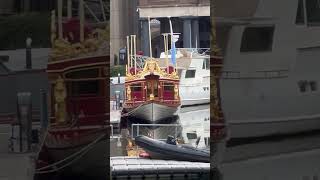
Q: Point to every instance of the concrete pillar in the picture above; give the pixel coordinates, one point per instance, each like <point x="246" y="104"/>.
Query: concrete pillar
<point x="187" y="32"/>
<point x="163" y="29"/>
<point x="195" y="33"/>
<point x="145" y="37"/>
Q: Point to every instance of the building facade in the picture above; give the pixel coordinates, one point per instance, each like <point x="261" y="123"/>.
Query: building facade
<point x="123" y="22"/>
<point x="190" y="18"/>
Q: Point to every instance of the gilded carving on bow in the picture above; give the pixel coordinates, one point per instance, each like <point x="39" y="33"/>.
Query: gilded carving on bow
<point x="60" y="94"/>
<point x="129" y="93"/>
<point x="97" y="41"/>
<point x="176" y="92"/>
<point x="151" y="67"/>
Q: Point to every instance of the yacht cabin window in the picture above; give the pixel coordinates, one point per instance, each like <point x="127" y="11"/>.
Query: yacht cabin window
<point x="313" y="86"/>
<point x="300" y="13"/>
<point x="313" y="12"/>
<point x="255" y="39"/>
<point x="190" y="74"/>
<point x="303" y="86"/>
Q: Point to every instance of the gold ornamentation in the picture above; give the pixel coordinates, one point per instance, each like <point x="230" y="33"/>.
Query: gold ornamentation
<point x="60" y="94"/>
<point x="151" y="97"/>
<point x="129" y="93"/>
<point x="63" y="49"/>
<point x="176" y="92"/>
<point x="151" y="66"/>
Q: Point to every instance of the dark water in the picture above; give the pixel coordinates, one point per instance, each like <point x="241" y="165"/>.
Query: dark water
<point x="187" y="125"/>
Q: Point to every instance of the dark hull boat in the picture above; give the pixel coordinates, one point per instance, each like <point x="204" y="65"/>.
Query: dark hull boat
<point x="162" y="150"/>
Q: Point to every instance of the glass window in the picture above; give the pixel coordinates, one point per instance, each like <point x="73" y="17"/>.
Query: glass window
<point x="205" y="64"/>
<point x="313" y="12"/>
<point x="168" y="86"/>
<point x="84" y="88"/>
<point x="313" y="86"/>
<point x="191" y="135"/>
<point x="136" y="87"/>
<point x="300" y="13"/>
<point x="302" y="86"/>
<point x="190" y="73"/>
<point x="257" y="39"/>
<point x="88" y="73"/>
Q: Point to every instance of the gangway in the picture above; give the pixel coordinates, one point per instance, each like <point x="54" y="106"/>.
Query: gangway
<point x="124" y="167"/>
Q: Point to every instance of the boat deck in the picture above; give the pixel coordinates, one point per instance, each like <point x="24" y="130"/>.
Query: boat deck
<point x="136" y="166"/>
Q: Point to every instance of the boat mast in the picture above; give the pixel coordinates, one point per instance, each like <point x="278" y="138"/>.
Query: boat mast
<point x="128" y="53"/>
<point x="135" y="54"/>
<point x="53" y="26"/>
<point x="60" y="18"/>
<point x="81" y="16"/>
<point x="150" y="37"/>
<point x="131" y="51"/>
<point x="69" y="9"/>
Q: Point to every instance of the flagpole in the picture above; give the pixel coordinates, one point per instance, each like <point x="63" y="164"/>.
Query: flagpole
<point x="166" y="50"/>
<point x="128" y="52"/>
<point x="131" y="48"/>
<point x="149" y="37"/>
<point x="173" y="48"/>
<point x="135" y="54"/>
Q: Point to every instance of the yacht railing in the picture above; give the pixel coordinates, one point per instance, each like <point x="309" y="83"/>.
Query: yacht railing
<point x="269" y="74"/>
<point x="152" y="125"/>
<point x="195" y="52"/>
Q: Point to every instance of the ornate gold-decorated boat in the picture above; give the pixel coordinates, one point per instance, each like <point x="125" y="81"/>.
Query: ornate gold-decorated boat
<point x="76" y="141"/>
<point x="152" y="92"/>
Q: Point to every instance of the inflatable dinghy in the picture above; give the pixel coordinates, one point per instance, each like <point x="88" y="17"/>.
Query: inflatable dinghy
<point x="171" y="151"/>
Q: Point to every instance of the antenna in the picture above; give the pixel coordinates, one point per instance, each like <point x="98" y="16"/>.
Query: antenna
<point x="150" y="37"/>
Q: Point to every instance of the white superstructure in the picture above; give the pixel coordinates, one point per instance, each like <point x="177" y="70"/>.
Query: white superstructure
<point x="270" y="79"/>
<point x="194" y="72"/>
<point x="196" y="123"/>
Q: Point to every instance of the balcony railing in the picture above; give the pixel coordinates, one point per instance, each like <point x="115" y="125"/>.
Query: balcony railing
<point x="155" y="3"/>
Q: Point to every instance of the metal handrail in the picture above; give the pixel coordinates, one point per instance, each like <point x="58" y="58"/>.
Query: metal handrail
<point x="258" y="74"/>
<point x="111" y="127"/>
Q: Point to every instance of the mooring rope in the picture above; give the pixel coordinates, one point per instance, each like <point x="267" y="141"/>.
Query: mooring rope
<point x="82" y="152"/>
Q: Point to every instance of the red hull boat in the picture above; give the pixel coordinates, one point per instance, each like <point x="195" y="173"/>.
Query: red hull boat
<point x="76" y="141"/>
